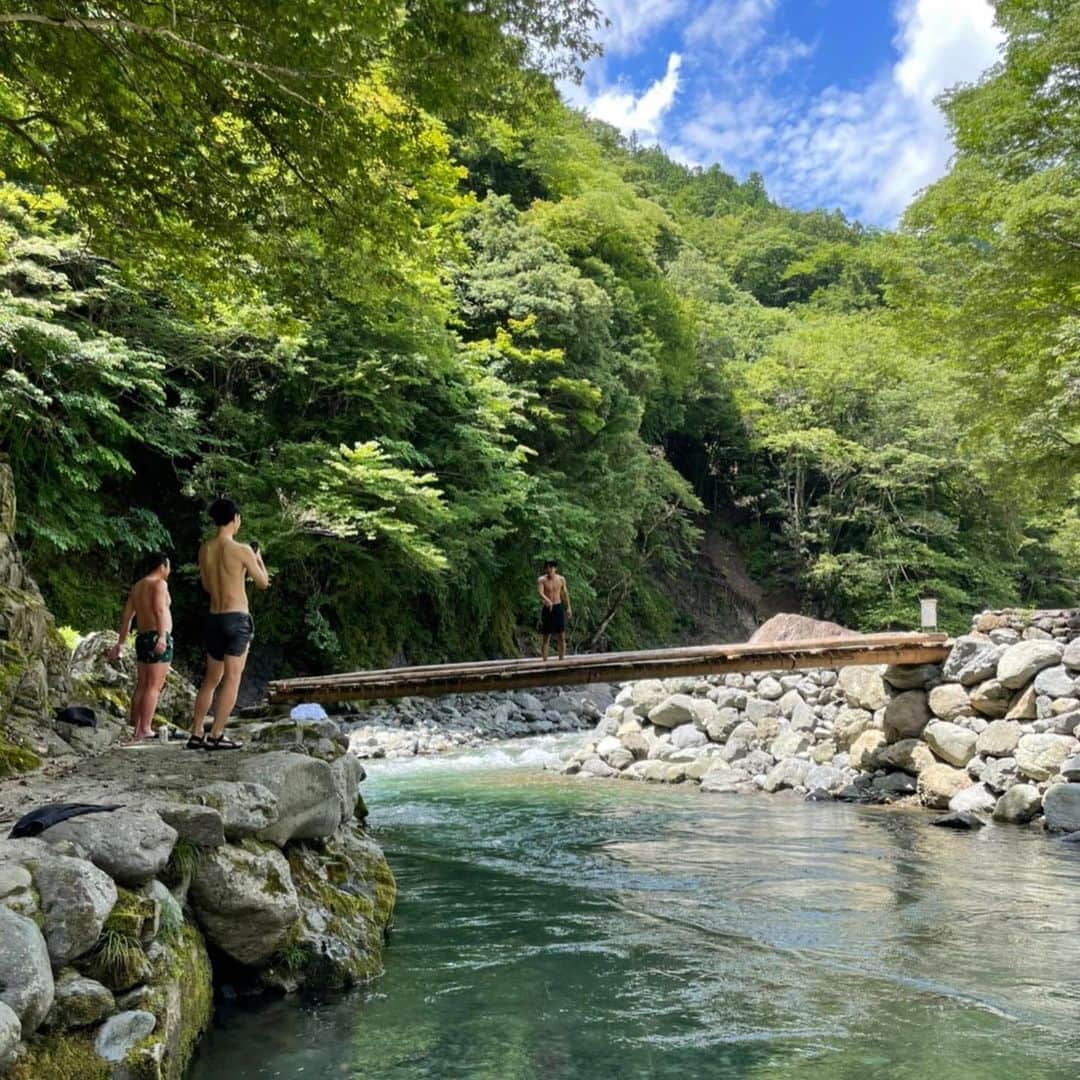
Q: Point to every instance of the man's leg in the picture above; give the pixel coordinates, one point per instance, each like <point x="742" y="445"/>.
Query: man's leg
<point x="544" y="639"/>
<point x="226" y="696"/>
<point x="137" y="695"/>
<point x="158" y="674"/>
<point x="562" y="646"/>
<point x="215" y="669"/>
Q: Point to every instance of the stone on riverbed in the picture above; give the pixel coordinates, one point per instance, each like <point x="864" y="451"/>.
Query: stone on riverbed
<point x="130" y="847"/>
<point x="865" y="750"/>
<point x="998" y="773"/>
<point x="909" y="755"/>
<point x="975" y="799"/>
<point x="1061" y="805"/>
<point x="849" y="725"/>
<point x="938" y="783"/>
<point x="1018" y="805"/>
<point x="824" y="778"/>
<point x="960" y="819"/>
<point x="789" y="773"/>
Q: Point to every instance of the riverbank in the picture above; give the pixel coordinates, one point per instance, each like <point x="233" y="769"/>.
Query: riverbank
<point x="246" y="870"/>
<point x="993" y="732"/>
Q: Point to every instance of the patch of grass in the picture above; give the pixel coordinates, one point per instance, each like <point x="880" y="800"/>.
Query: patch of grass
<point x="293" y="958"/>
<point x="182" y="864"/>
<point x="118" y="959"/>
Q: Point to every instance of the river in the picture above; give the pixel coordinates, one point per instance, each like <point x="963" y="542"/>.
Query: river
<point x="549" y="927"/>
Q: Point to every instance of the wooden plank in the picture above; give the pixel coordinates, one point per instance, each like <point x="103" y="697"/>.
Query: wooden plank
<point x="581" y="669"/>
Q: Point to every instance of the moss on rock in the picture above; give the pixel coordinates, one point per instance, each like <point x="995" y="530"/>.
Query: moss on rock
<point x="16" y="759"/>
<point x="60" y="1055"/>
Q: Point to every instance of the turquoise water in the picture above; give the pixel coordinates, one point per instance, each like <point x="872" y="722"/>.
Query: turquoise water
<point x="555" y="928"/>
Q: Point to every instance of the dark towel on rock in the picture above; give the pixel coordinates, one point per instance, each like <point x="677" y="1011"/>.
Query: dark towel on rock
<point x="79" y="715"/>
<point x="45" y="817"/>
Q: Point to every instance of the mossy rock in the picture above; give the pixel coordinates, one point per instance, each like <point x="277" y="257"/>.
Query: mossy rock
<point x="15" y="759"/>
<point x="60" y="1055"/>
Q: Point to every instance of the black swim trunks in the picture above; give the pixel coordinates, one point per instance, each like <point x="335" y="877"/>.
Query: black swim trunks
<point x="228" y="633"/>
<point x="553" y="619"/>
<point x="144" y="648"/>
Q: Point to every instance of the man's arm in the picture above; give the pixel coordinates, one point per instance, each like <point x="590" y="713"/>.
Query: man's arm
<point x="203" y="575"/>
<point x="566" y="598"/>
<point x="162" y="615"/>
<point x="540" y="590"/>
<point x="253" y="563"/>
<point x="125" y="627"/>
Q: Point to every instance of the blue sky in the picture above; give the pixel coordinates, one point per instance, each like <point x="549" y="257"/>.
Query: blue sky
<point x="832" y="100"/>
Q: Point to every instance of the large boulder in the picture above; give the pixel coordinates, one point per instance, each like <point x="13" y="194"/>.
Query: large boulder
<point x="76" y="898"/>
<point x="1018" y="805"/>
<point x="999" y="738"/>
<point x="939" y="783"/>
<point x="202" y="825"/>
<point x="1061" y="807"/>
<point x="26" y="978"/>
<point x="950" y="742"/>
<point x="975" y="799"/>
<point x="906" y="715"/>
<point x="911" y="676"/>
<point x="349" y="773"/>
<point x="863" y="687"/>
<point x="1020" y="663"/>
<point x="1071" y="656"/>
<point x="308" y="807"/>
<point x="10" y="1036"/>
<point x="908" y="755"/>
<point x="245" y="809"/>
<point x="974" y="658"/>
<point x="790" y="627"/>
<point x="949" y="701"/>
<point x="789" y="773"/>
<point x="1039" y="756"/>
<point x="991" y="699"/>
<point x="130" y="847"/>
<point x="245" y="900"/>
<point x="673" y="711"/>
<point x="849" y="725"/>
<point x="865" y="750"/>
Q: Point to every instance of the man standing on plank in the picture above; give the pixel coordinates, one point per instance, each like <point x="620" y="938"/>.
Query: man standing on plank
<point x="555" y="609"/>
<point x="149" y="605"/>
<point x="224" y="567"/>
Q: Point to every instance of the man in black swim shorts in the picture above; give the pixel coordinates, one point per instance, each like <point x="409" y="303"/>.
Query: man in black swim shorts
<point x="224" y="567"/>
<point x="555" y="608"/>
<point x="148" y="604"/>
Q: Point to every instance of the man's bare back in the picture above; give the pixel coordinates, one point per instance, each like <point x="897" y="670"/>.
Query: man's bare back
<point x="224" y="565"/>
<point x="150" y="599"/>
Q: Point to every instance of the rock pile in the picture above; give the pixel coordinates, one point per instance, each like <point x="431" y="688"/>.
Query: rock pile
<point x="109" y="922"/>
<point x="995" y="729"/>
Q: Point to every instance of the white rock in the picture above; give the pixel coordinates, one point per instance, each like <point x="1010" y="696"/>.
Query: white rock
<point x="1019" y="804"/>
<point x="1055" y="682"/>
<point x="948" y="701"/>
<point x="950" y="742"/>
<point x="1071" y="656"/>
<point x="123" y="1031"/>
<point x="1040" y="756"/>
<point x="686" y="736"/>
<point x="865" y="749"/>
<point x="789" y="773"/>
<point x="850" y="724"/>
<point x="974" y="657"/>
<point x="938" y="784"/>
<point x="10" y="1036"/>
<point x="975" y="799"/>
<point x="770" y="689"/>
<point x="999" y="739"/>
<point x="673" y="711"/>
<point x="863" y="687"/>
<point x="76" y="898"/>
<point x="1020" y="663"/>
<point x="308" y="806"/>
<point x="789" y="743"/>
<point x="991" y="699"/>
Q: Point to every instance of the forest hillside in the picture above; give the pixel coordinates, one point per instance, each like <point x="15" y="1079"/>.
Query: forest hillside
<point x="361" y="269"/>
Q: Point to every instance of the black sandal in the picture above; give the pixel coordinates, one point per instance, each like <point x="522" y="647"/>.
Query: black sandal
<point x="222" y="743"/>
<point x="195" y="742"/>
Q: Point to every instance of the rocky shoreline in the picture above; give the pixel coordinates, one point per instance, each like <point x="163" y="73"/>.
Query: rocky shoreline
<point x="992" y="733"/>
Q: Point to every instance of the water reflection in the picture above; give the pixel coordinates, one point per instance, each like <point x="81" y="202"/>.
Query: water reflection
<point x="562" y="929"/>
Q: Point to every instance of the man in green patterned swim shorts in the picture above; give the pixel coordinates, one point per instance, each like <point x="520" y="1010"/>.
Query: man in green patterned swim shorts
<point x="149" y="605"/>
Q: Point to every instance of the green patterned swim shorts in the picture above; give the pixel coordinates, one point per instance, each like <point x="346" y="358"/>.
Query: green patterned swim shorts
<point x="144" y="648"/>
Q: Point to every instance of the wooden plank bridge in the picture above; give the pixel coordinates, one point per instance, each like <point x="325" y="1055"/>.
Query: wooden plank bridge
<point x="487" y="675"/>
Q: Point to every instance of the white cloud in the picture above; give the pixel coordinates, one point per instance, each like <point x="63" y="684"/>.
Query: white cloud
<point x="868" y="150"/>
<point x="620" y="106"/>
<point x="733" y="26"/>
<point x="634" y="21"/>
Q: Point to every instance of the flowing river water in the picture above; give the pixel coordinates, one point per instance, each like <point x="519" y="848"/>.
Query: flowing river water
<point x="549" y="927"/>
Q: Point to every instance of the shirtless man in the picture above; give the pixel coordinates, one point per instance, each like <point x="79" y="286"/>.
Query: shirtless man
<point x="556" y="607"/>
<point x="149" y="605"/>
<point x="224" y="567"/>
